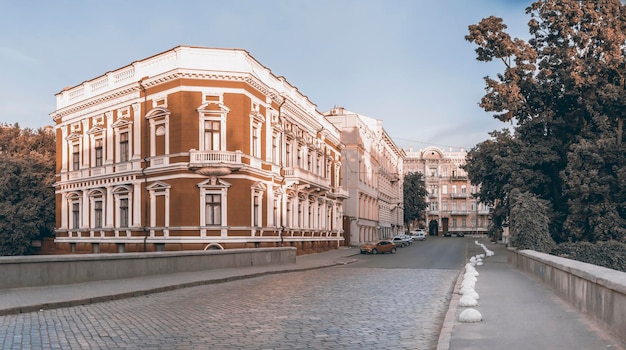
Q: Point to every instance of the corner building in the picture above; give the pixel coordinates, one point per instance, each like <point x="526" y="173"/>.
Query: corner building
<point x="194" y="148"/>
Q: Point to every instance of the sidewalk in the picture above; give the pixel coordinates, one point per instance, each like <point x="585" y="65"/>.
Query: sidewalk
<point x="518" y="313"/>
<point x="21" y="300"/>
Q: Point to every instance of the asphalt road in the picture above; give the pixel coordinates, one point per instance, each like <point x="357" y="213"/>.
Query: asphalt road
<point x="390" y="301"/>
<point x="432" y="253"/>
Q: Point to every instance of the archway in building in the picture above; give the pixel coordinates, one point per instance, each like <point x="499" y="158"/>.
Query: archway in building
<point x="433" y="228"/>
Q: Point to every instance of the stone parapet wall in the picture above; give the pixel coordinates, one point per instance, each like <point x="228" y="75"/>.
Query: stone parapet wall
<point x="45" y="270"/>
<point x="597" y="291"/>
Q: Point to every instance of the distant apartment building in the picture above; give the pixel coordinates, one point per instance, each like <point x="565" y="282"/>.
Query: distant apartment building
<point x="451" y="207"/>
<point x="372" y="167"/>
<point x="195" y="148"/>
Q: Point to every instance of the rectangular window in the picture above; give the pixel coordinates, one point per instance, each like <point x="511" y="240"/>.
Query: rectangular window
<point x="97" y="212"/>
<point x="213" y="209"/>
<point x="212" y="135"/>
<point x="288" y="155"/>
<point x="275" y="149"/>
<point x="444" y="189"/>
<point x="256" y="142"/>
<point x="75" y="215"/>
<point x="124" y="147"/>
<point x="255" y="211"/>
<point x="276" y="218"/>
<point x="124" y="212"/>
<point x="75" y="157"/>
<point x="98" y="150"/>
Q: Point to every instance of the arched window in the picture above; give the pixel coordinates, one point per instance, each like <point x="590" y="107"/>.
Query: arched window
<point x="96" y="203"/>
<point x="123" y="203"/>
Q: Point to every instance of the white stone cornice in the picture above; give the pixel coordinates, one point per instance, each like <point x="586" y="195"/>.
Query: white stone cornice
<point x="102" y="102"/>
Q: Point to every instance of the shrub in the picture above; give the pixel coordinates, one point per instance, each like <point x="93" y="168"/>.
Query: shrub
<point x="609" y="254"/>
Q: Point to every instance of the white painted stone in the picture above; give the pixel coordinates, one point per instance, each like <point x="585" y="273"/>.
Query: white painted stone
<point x="470" y="315"/>
<point x="467" y="300"/>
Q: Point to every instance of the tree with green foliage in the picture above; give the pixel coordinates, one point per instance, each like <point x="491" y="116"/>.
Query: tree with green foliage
<point x="564" y="92"/>
<point x="27" y="208"/>
<point x="529" y="222"/>
<point x="414" y="192"/>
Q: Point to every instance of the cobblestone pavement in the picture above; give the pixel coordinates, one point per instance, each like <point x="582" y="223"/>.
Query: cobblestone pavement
<point x="332" y="308"/>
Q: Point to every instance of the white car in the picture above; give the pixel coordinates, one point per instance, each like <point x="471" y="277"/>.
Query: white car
<point x="401" y="241"/>
<point x="418" y="235"/>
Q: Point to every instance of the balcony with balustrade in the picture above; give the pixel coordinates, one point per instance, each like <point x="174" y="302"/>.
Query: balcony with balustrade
<point x="214" y="163"/>
<point x="306" y="178"/>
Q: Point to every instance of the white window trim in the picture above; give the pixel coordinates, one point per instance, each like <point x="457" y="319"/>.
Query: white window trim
<point x="214" y="186"/>
<point x="119" y="193"/>
<point x="208" y="114"/>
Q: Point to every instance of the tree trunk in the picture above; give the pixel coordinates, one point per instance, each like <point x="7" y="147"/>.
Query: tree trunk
<point x="620" y="122"/>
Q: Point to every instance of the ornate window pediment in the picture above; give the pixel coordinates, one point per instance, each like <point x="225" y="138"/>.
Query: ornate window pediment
<point x="73" y="136"/>
<point x="95" y="130"/>
<point x="121" y="123"/>
<point x="158" y="186"/>
<point x="158" y="112"/>
<point x="214" y="182"/>
<point x="124" y="189"/>
<point x="259" y="186"/>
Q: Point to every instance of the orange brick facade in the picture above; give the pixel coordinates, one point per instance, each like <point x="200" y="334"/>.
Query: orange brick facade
<point x="191" y="149"/>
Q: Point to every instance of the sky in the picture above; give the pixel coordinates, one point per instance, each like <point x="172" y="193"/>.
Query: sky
<point x="405" y="62"/>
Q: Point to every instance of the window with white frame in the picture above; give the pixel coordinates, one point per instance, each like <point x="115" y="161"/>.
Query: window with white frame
<point x="97" y="214"/>
<point x="213" y="196"/>
<point x="98" y="155"/>
<point x="124" y="146"/>
<point x="213" y="208"/>
<point x="212" y="135"/>
<point x="275" y="149"/>
<point x="158" y="119"/>
<point x="75" y="214"/>
<point x="75" y="156"/>
<point x="276" y="210"/>
<point x="288" y="160"/>
<point x="256" y="207"/>
<point x="124" y="213"/>
<point x="257" y="204"/>
<point x="255" y="142"/>
<point x="289" y="213"/>
<point x="123" y="201"/>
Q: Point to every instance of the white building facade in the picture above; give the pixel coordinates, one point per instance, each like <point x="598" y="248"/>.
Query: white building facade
<point x="451" y="206"/>
<point x="372" y="174"/>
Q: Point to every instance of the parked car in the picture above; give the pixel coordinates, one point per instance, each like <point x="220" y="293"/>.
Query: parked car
<point x="401" y="240"/>
<point x="460" y="234"/>
<point x="447" y="234"/>
<point x="382" y="246"/>
<point x="418" y="235"/>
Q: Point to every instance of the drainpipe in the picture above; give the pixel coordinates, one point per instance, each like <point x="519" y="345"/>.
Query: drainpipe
<point x="146" y="232"/>
<point x="282" y="164"/>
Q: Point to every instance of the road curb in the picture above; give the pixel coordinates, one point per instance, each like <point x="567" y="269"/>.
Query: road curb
<point x="445" y="335"/>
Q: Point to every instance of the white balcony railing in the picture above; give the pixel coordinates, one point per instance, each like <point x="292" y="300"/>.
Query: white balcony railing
<point x="214" y="162"/>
